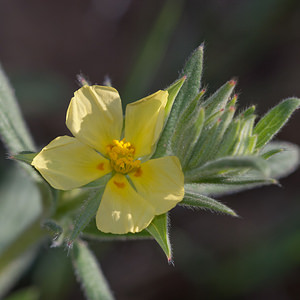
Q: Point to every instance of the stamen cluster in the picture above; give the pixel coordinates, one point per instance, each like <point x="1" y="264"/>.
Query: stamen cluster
<point x="121" y="154"/>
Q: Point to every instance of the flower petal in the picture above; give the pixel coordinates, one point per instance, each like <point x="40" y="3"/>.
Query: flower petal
<point x="161" y="182"/>
<point x="95" y="116"/>
<point x="66" y="163"/>
<point x="122" y="210"/>
<point x="144" y="122"/>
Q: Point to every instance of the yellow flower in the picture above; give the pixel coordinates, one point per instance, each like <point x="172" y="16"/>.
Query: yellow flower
<point x="139" y="188"/>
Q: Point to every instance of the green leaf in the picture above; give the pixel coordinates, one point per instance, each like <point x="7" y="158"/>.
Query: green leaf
<point x="225" y="164"/>
<point x="242" y="145"/>
<point x="209" y="149"/>
<point x="229" y="139"/>
<point x="228" y="185"/>
<point x="274" y="120"/>
<point x="270" y="153"/>
<point x="193" y="72"/>
<point x="19" y="206"/>
<point x="187" y="93"/>
<point x="206" y="141"/>
<point x="219" y="99"/>
<point x="89" y="274"/>
<point x="186" y="140"/>
<point x="249" y="112"/>
<point x="92" y="232"/>
<point x="20" y="231"/>
<point x="159" y="230"/>
<point x="173" y="91"/>
<point x="197" y="200"/>
<point x="284" y="162"/>
<point x="25" y="156"/>
<point x="30" y="293"/>
<point x="13" y="130"/>
<point x="187" y="118"/>
<point x="87" y="213"/>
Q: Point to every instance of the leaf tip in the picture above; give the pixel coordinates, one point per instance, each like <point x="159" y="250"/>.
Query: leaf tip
<point x="201" y="46"/>
<point x="69" y="245"/>
<point x="233" y="82"/>
<point x="170" y="261"/>
<point x="234" y="214"/>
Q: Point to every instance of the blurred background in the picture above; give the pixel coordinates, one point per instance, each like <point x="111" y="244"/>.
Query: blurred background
<point x="141" y="46"/>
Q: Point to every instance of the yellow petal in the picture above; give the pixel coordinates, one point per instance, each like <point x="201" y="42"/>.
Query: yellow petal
<point x="161" y="182"/>
<point x="144" y="122"/>
<point x="66" y="163"/>
<point x="95" y="116"/>
<point x="122" y="210"/>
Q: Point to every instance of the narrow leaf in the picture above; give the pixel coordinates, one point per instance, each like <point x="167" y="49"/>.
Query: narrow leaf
<point x="204" y="202"/>
<point x="89" y="274"/>
<point x="274" y="120"/>
<point x="194" y="132"/>
<point x="229" y="139"/>
<point x="225" y="164"/>
<point x="193" y="72"/>
<point x="284" y="162"/>
<point x="206" y="141"/>
<point x="249" y="112"/>
<point x="188" y="115"/>
<point x="242" y="142"/>
<point x="13" y="130"/>
<point x="25" y="156"/>
<point x="210" y="150"/>
<point x="173" y="91"/>
<point x="88" y="212"/>
<point x="159" y="230"/>
<point x="270" y="153"/>
<point x="225" y="186"/>
<point x="219" y="99"/>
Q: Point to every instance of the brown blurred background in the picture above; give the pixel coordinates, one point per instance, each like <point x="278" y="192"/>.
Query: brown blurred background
<point x="141" y="45"/>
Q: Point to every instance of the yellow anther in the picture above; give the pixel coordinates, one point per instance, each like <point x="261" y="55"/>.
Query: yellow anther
<point x="121" y="154"/>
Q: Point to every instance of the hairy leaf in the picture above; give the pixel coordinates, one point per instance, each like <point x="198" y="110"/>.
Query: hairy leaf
<point x="89" y="274"/>
<point x="197" y="200"/>
<point x="159" y="230"/>
<point x="273" y="121"/>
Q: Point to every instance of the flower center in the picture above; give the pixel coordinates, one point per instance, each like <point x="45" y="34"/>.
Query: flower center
<point x="121" y="156"/>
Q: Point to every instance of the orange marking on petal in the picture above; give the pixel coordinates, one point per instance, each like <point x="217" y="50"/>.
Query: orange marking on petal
<point x="100" y="166"/>
<point x="138" y="172"/>
<point x="120" y="185"/>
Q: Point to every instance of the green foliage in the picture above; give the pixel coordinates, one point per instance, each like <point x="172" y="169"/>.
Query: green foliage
<point x="13" y="130"/>
<point x="25" y="156"/>
<point x="188" y="92"/>
<point x="173" y="91"/>
<point x="160" y="232"/>
<point x="87" y="213"/>
<point x="200" y="201"/>
<point x="89" y="274"/>
<point x="273" y="121"/>
<point x="224" y="165"/>
<point x="220" y="152"/>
